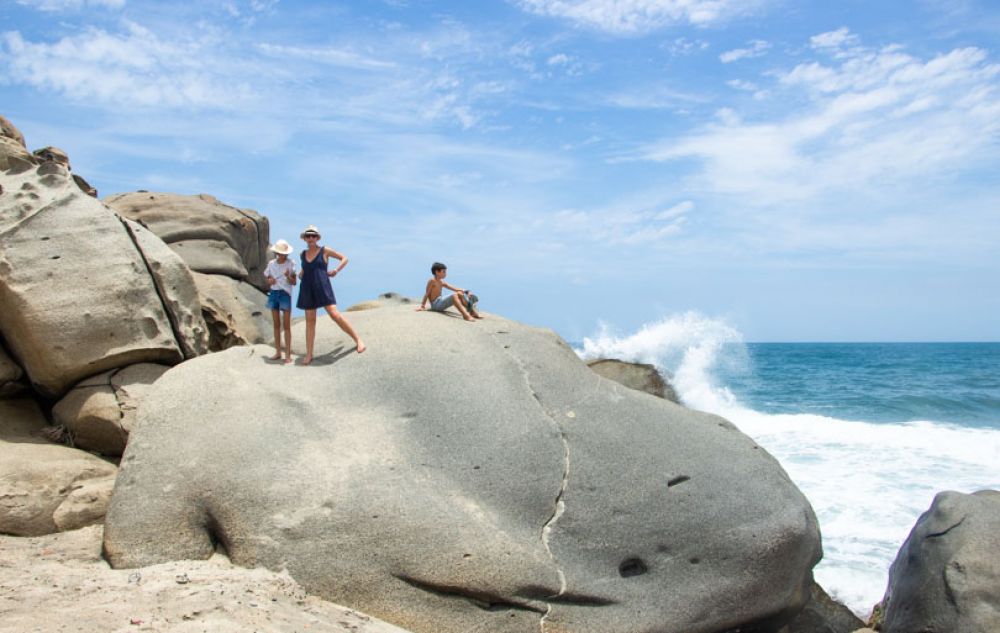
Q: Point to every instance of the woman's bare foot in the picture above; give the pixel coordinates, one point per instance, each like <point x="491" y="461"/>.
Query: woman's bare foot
<point x="361" y="347"/>
<point x="275" y="357"/>
<point x="288" y="361"/>
<point x="307" y="359"/>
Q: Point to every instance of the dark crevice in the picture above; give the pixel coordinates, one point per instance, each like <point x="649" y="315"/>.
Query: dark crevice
<point x="217" y="535"/>
<point x="678" y="480"/>
<point x="549" y="594"/>
<point x="946" y="530"/>
<point x="160" y="291"/>
<point x="481" y="599"/>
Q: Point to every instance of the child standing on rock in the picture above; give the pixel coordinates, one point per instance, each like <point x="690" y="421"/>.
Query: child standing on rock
<point x="281" y="276"/>
<point x="316" y="292"/>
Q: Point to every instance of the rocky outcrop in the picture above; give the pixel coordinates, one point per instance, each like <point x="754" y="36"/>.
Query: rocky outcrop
<point x="45" y="487"/>
<point x="638" y="376"/>
<point x="235" y="312"/>
<point x="460" y="477"/>
<point x="383" y="300"/>
<point x="211" y="237"/>
<point x="946" y="576"/>
<point x="100" y="412"/>
<point x="60" y="583"/>
<point x="823" y="614"/>
<point x="10" y="376"/>
<point x="85" y="302"/>
<point x="14" y="153"/>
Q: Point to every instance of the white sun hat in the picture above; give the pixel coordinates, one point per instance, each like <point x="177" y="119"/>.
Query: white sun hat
<point x="282" y="248"/>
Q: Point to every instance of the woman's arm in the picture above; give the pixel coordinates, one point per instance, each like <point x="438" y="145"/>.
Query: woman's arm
<point x="329" y="252"/>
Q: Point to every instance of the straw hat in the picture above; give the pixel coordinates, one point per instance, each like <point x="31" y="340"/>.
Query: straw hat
<point x="310" y="230"/>
<point x="282" y="248"/>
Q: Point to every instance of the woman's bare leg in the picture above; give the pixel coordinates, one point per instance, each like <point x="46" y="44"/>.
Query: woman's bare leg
<point x="310" y="336"/>
<point x="345" y="325"/>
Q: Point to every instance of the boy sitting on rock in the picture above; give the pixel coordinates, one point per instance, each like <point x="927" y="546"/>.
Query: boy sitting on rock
<point x="461" y="299"/>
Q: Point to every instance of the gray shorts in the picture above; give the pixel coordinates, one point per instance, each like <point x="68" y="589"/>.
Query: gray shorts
<point x="443" y="303"/>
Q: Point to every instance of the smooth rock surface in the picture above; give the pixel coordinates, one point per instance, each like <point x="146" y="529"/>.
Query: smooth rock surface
<point x="60" y="583"/>
<point x="46" y="487"/>
<point x="638" y="376"/>
<point x="823" y="614"/>
<point x="211" y="257"/>
<point x="10" y="373"/>
<point x="235" y="312"/>
<point x="464" y="476"/>
<point x="946" y="577"/>
<point x="100" y="412"/>
<point x="203" y="220"/>
<point x="85" y="301"/>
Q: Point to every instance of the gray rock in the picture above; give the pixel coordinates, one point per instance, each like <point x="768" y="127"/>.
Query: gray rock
<point x="211" y="257"/>
<point x="45" y="487"/>
<point x="823" y="614"/>
<point x="10" y="375"/>
<point x="459" y="477"/>
<point x="85" y="301"/>
<point x="235" y="312"/>
<point x="100" y="412"/>
<point x="638" y="376"/>
<point x="13" y="152"/>
<point x="9" y="130"/>
<point x="946" y="577"/>
<point x="202" y="220"/>
<point x="383" y="300"/>
<point x="176" y="288"/>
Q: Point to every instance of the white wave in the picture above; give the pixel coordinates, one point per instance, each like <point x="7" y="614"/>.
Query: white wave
<point x="868" y="482"/>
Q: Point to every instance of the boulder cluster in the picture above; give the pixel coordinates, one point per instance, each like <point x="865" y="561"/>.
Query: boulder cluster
<point x="455" y="477"/>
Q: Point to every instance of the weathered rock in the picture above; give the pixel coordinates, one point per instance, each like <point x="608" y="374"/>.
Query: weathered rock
<point x="176" y="287"/>
<point x="46" y="487"/>
<point x="946" y="577"/>
<point x="234" y="311"/>
<point x="14" y="155"/>
<point x="9" y="130"/>
<point x="211" y="257"/>
<point x="100" y="411"/>
<point x="460" y="477"/>
<point x="53" y="155"/>
<point x="10" y="375"/>
<point x="84" y="300"/>
<point x="201" y="220"/>
<point x="59" y="582"/>
<point x="383" y="300"/>
<point x="638" y="376"/>
<point x="84" y="186"/>
<point x="823" y="614"/>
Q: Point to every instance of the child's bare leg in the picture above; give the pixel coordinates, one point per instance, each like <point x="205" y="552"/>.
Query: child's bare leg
<point x="276" y="317"/>
<point x="310" y="336"/>
<point x="459" y="303"/>
<point x="287" y="322"/>
<point x="345" y="325"/>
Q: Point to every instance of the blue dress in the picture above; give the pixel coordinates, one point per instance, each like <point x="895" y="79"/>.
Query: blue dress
<point x="315" y="290"/>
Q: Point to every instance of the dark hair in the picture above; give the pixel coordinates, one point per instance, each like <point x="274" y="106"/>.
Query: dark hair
<point x="436" y="266"/>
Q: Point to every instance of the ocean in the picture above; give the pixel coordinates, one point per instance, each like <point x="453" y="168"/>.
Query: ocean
<point x="870" y="432"/>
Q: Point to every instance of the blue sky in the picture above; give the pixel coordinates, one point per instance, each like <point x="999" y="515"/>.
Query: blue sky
<point x="801" y="170"/>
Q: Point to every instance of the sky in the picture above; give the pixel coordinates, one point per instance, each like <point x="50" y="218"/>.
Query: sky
<point x="801" y="170"/>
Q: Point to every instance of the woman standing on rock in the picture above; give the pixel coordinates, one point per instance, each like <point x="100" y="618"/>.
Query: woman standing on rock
<point x="315" y="290"/>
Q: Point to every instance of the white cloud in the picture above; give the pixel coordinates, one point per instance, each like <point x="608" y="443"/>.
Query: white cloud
<point x="756" y="49"/>
<point x="620" y="225"/>
<point x="627" y="17"/>
<point x="834" y="39"/>
<point x="326" y="55"/>
<point x="874" y="119"/>
<point x="135" y="67"/>
<point x="56" y="6"/>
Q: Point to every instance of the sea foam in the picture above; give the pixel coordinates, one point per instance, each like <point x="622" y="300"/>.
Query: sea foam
<point x="867" y="481"/>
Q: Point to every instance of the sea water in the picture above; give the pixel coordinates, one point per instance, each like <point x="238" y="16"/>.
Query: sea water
<point x="870" y="432"/>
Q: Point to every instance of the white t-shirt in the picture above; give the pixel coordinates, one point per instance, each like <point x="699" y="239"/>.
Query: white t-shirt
<point x="276" y="270"/>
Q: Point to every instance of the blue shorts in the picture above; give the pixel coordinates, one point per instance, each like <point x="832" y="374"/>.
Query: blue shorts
<point x="279" y="300"/>
<point x="442" y="303"/>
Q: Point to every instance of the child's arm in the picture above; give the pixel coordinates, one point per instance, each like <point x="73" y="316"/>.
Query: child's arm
<point x="268" y="276"/>
<point x="451" y="287"/>
<point x="329" y="252"/>
<point x="427" y="294"/>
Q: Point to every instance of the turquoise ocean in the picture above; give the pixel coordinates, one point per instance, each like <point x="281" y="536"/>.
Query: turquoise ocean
<point x="870" y="432"/>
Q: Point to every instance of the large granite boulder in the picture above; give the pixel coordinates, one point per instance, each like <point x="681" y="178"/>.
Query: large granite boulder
<point x="13" y="152"/>
<point x="823" y="614"/>
<point x="211" y="237"/>
<point x="235" y="312"/>
<point x="77" y="294"/>
<point x="46" y="487"/>
<point x="100" y="411"/>
<point x="946" y="577"/>
<point x="638" y="376"/>
<point x="464" y="476"/>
